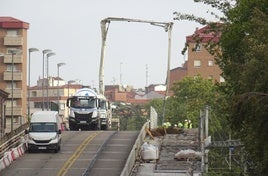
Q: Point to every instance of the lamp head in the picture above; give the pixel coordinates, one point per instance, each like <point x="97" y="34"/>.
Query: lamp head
<point x="61" y="64"/>
<point x="50" y="54"/>
<point x="46" y="51"/>
<point x="33" y="49"/>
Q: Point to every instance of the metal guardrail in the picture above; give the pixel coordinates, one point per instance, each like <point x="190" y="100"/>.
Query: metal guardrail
<point x="228" y="143"/>
<point x="12" y="139"/>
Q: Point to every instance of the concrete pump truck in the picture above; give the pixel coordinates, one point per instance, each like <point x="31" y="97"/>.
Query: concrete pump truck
<point x="89" y="110"/>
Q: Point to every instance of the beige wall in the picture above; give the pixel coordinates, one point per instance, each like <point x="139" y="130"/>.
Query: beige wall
<point x="20" y="104"/>
<point x="205" y="70"/>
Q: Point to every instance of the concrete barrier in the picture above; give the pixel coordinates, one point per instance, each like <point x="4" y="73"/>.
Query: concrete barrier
<point x="129" y="165"/>
<point x="12" y="155"/>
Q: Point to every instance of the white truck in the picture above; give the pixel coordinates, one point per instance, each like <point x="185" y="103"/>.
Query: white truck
<point x="88" y="110"/>
<point x="44" y="131"/>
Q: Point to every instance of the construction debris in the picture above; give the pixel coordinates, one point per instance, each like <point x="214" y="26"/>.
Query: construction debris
<point x="188" y="154"/>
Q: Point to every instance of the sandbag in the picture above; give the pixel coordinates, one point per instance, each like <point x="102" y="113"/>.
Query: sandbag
<point x="149" y="151"/>
<point x="188" y="154"/>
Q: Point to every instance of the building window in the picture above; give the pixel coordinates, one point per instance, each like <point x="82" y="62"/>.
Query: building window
<point x="197" y="47"/>
<point x="9" y="67"/>
<point x="197" y="63"/>
<point x="210" y="77"/>
<point x="34" y="93"/>
<point x="9" y="50"/>
<point x="222" y="79"/>
<point x="12" y="33"/>
<point x="9" y="85"/>
<point x="9" y="103"/>
<point x="210" y="63"/>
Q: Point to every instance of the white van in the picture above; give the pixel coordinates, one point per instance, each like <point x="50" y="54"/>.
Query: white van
<point x="44" y="131"/>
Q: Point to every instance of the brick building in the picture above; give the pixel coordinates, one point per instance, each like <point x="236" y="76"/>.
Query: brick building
<point x="3" y="97"/>
<point x="13" y="69"/>
<point x="200" y="61"/>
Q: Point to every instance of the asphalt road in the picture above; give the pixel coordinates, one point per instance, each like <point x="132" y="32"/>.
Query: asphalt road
<point x="90" y="153"/>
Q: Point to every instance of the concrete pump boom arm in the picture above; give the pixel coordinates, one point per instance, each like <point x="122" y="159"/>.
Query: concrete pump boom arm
<point x="104" y="29"/>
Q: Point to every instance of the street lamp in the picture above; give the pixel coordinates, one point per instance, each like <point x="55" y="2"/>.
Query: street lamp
<point x="29" y="77"/>
<point x="13" y="52"/>
<point x="2" y="123"/>
<point x="48" y="55"/>
<point x="43" y="77"/>
<point x="58" y="93"/>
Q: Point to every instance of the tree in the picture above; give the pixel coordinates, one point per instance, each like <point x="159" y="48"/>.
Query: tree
<point x="192" y="95"/>
<point x="243" y="60"/>
<point x="244" y="63"/>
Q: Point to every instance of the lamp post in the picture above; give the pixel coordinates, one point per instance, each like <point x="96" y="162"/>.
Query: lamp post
<point x="1" y="122"/>
<point x="43" y="77"/>
<point x="29" y="78"/>
<point x="48" y="55"/>
<point x="58" y="93"/>
<point x="13" y="52"/>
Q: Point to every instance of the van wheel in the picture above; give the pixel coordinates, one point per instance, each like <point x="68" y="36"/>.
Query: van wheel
<point x="56" y="150"/>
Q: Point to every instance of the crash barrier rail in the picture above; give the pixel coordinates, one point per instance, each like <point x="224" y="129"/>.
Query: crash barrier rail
<point x="12" y="139"/>
<point x="134" y="152"/>
<point x="11" y="155"/>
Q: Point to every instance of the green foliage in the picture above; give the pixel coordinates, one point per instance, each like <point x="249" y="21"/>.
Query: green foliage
<point x="244" y="43"/>
<point x="193" y="94"/>
<point x="243" y="59"/>
<point x="250" y="122"/>
<point x="132" y="117"/>
<point x="244" y="63"/>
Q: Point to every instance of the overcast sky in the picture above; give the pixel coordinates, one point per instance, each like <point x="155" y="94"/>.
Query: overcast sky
<point x="71" y="28"/>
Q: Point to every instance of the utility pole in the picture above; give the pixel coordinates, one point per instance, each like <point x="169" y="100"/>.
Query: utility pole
<point x="121" y="73"/>
<point x="206" y="135"/>
<point x="201" y="131"/>
<point x="204" y="139"/>
<point x="146" y="70"/>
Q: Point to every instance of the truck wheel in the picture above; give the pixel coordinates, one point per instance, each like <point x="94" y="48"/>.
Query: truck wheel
<point x="72" y="127"/>
<point x="103" y="127"/>
<point x="99" y="125"/>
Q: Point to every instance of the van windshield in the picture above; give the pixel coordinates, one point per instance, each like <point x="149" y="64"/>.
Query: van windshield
<point x="43" y="127"/>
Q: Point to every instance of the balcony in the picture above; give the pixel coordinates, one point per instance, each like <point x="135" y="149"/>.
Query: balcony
<point x="17" y="111"/>
<point x="13" y="40"/>
<point x="17" y="92"/>
<point x="17" y="59"/>
<point x="17" y="75"/>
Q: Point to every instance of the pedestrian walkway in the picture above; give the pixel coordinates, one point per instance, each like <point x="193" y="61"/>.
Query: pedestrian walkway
<point x="167" y="165"/>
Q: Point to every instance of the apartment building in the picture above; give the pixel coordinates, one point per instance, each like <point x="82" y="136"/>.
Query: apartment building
<point x="55" y="91"/>
<point x="200" y="61"/>
<point x="3" y="97"/>
<point x="13" y="69"/>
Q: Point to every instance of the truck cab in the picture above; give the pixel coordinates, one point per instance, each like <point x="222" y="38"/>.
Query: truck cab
<point x="87" y="110"/>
